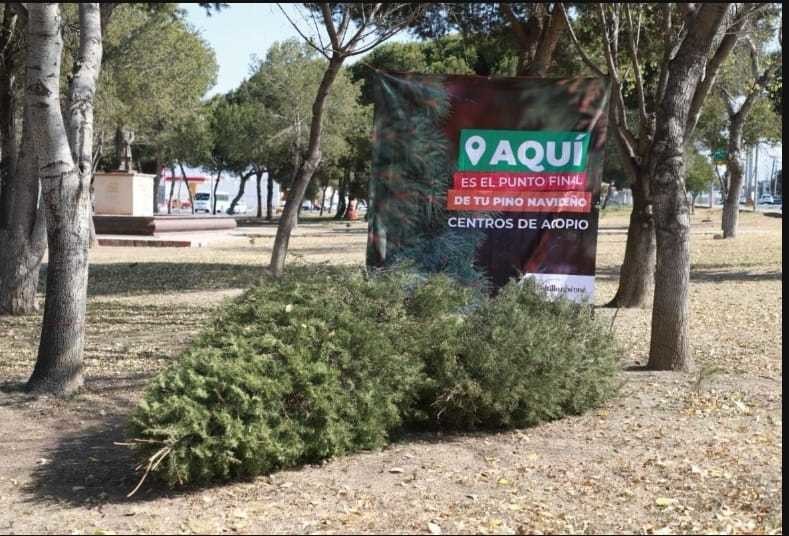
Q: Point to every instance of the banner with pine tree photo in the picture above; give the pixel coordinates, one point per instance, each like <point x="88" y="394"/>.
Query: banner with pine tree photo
<point x="489" y="179"/>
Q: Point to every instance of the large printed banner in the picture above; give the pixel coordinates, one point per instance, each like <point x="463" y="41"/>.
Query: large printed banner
<point x="489" y="179"/>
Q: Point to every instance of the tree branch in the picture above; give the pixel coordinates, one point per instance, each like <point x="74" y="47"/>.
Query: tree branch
<point x="308" y="40"/>
<point x="328" y="22"/>
<point x="543" y="56"/>
<point x="667" y="53"/>
<point x="711" y="73"/>
<point x="642" y="105"/>
<point x="584" y="56"/>
<point x="517" y="25"/>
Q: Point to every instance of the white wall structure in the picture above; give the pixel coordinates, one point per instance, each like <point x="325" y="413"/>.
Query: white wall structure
<point x="123" y="194"/>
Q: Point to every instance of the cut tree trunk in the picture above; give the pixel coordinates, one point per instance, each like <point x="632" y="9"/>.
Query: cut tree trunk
<point x="638" y="267"/>
<point x="269" y="197"/>
<point x="289" y="217"/>
<point x="65" y="168"/>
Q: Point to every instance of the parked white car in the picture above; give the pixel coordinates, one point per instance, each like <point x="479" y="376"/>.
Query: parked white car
<point x="203" y="202"/>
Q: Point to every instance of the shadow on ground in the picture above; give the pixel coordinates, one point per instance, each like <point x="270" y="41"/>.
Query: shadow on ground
<point x="90" y="468"/>
<point x="152" y="277"/>
<point x="704" y="275"/>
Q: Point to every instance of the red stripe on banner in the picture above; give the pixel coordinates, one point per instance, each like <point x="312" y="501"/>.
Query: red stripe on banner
<point x="497" y="201"/>
<point x="534" y="182"/>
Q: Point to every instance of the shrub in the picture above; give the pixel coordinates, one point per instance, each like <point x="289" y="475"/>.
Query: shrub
<point x="520" y="360"/>
<point x="326" y="361"/>
<point x="294" y="371"/>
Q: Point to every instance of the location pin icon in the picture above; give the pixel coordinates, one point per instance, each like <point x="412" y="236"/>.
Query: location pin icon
<point x="475" y="148"/>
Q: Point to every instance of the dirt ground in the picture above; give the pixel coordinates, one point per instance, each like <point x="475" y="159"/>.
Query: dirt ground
<point x="674" y="453"/>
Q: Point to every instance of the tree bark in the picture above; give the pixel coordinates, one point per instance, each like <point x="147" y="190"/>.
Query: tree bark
<point x="258" y="179"/>
<point x="323" y="198"/>
<point x="172" y="190"/>
<point x="22" y="230"/>
<point x="669" y="348"/>
<point x="638" y="267"/>
<point x="269" y="197"/>
<point x="608" y="192"/>
<point x="65" y="167"/>
<point x="734" y="169"/>
<point x="296" y="193"/>
<point x="23" y="240"/>
<point x="157" y="183"/>
<point x="731" y="204"/>
<point x="188" y="191"/>
<point x="8" y="124"/>
<point x="241" y="187"/>
<point x="216" y="187"/>
<point x="341" y="204"/>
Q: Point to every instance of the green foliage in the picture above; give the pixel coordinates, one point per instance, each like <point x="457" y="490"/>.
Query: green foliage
<point x="155" y="69"/>
<point x="278" y="99"/>
<point x="700" y="173"/>
<point x="445" y="55"/>
<point x="520" y="360"/>
<point x="326" y="361"/>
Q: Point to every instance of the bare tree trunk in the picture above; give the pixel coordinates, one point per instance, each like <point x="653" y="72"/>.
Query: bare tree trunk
<point x="669" y="342"/>
<point x="93" y="242"/>
<point x="638" y="267"/>
<point x="341" y="204"/>
<point x="241" y="187"/>
<point x="172" y="190"/>
<point x="537" y="37"/>
<point x="157" y="183"/>
<point x="323" y="198"/>
<point x="731" y="203"/>
<point x="22" y="236"/>
<point x="8" y="123"/>
<point x="669" y="349"/>
<point x="65" y="164"/>
<point x="608" y="192"/>
<point x="23" y="239"/>
<point x="258" y="179"/>
<point x="734" y="169"/>
<point x="270" y="197"/>
<point x="188" y="191"/>
<point x="296" y="193"/>
<point x="216" y="187"/>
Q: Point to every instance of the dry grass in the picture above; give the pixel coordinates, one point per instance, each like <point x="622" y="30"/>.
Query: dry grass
<point x="674" y="453"/>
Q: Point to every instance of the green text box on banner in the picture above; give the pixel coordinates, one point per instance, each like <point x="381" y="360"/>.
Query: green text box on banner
<point x="519" y="150"/>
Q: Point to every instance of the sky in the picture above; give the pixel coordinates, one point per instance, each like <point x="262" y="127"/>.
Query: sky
<point x="241" y="30"/>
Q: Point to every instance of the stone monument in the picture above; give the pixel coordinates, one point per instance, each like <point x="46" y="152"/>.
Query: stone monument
<point x="124" y="192"/>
